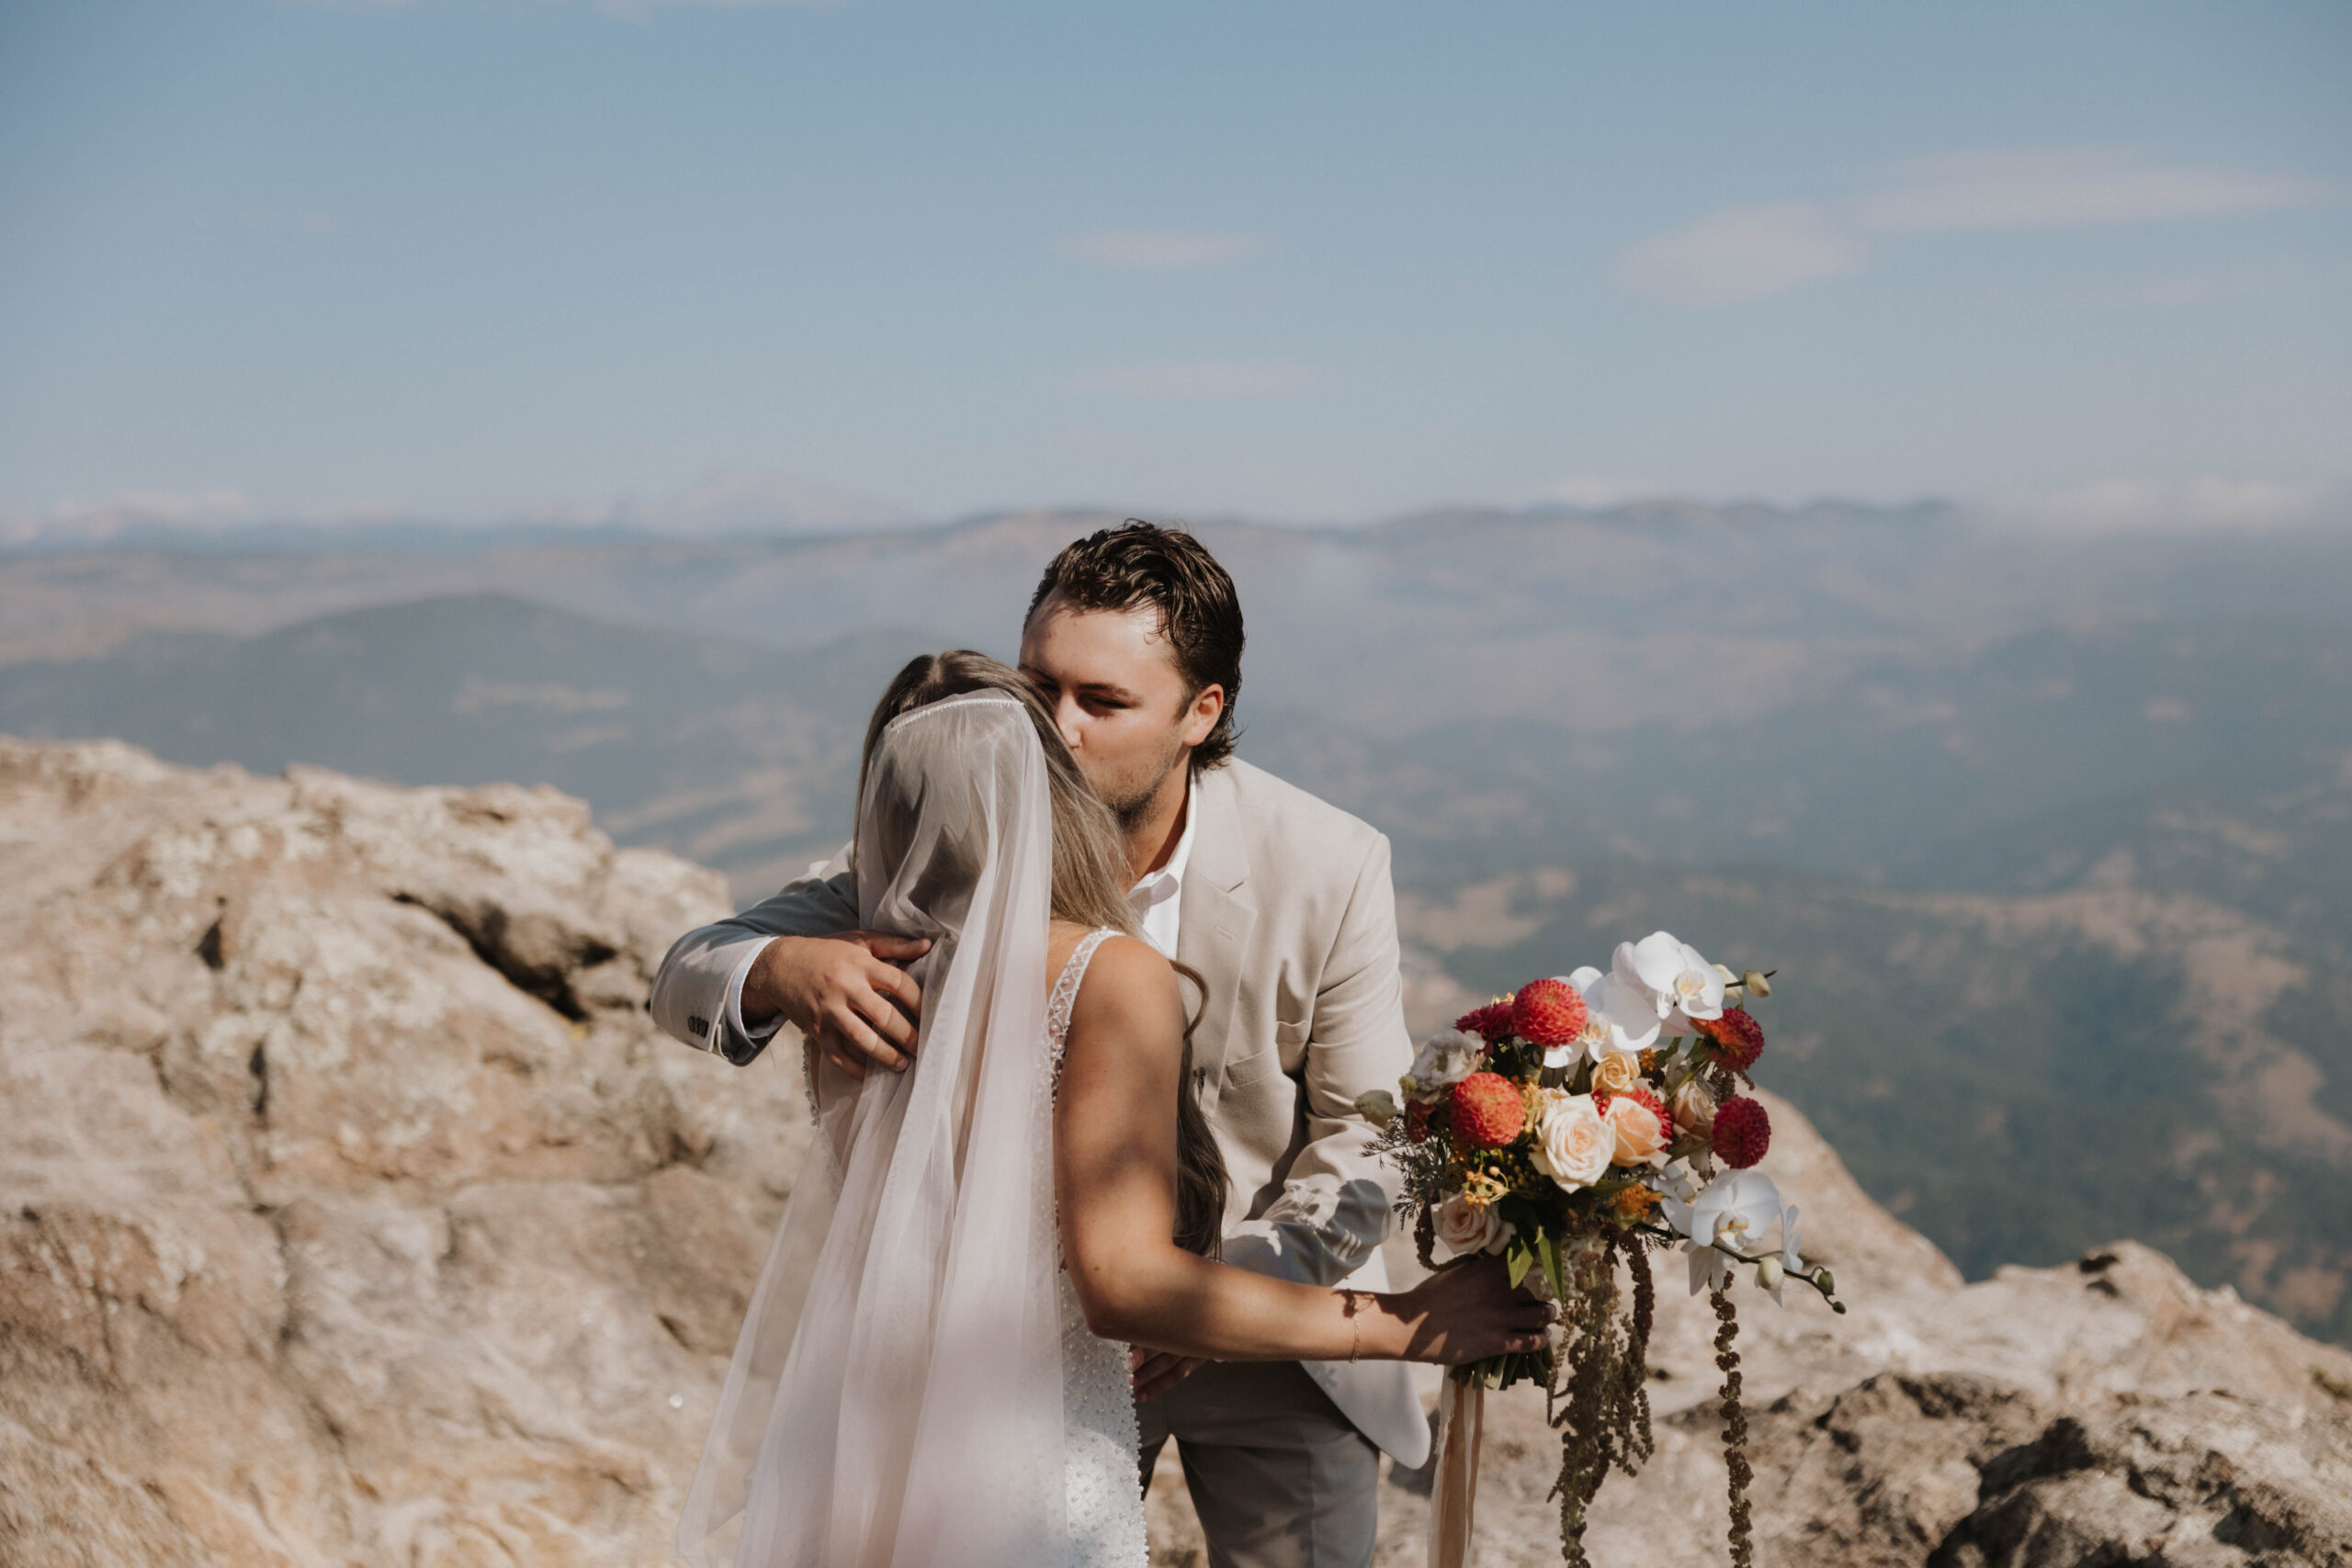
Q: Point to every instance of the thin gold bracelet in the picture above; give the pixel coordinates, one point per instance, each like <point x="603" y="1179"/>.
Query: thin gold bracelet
<point x="1355" y="1324"/>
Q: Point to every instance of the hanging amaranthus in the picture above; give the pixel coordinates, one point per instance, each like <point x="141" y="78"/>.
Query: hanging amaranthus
<point x="1743" y="1545"/>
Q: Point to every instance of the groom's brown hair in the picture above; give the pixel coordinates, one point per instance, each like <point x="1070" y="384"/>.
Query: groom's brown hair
<point x="1200" y="613"/>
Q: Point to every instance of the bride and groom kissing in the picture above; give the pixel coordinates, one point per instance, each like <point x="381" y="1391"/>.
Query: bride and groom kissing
<point x="1085" y="1010"/>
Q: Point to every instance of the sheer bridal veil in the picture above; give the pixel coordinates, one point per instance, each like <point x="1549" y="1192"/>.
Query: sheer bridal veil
<point x="896" y="1398"/>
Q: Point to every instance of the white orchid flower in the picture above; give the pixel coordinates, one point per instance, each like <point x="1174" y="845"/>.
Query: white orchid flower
<point x="1679" y="982"/>
<point x="1737" y="1210"/>
<point x="1708" y="1266"/>
<point x="1788" y="1263"/>
<point x="1677" y="1183"/>
<point x="1618" y="1018"/>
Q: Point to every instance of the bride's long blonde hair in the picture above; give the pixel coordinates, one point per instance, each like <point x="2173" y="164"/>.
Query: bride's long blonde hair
<point x="1090" y="874"/>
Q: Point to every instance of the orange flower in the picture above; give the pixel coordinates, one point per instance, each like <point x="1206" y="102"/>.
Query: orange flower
<point x="1634" y="1205"/>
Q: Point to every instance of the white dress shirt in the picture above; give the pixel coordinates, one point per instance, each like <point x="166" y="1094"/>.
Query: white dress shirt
<point x="1157" y="899"/>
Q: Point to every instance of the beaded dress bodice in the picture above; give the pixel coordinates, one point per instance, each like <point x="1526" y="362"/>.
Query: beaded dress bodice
<point x="1105" y="1497"/>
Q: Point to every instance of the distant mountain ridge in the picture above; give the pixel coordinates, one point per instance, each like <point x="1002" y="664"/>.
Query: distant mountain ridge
<point x="737" y="756"/>
<point x="2049" y="836"/>
<point x="731" y="502"/>
<point x="752" y="506"/>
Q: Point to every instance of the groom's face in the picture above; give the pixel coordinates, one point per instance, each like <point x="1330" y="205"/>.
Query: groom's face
<point x="1130" y="715"/>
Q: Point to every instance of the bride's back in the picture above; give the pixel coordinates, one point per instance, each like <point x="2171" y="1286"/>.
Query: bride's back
<point x="914" y="1271"/>
<point x="1089" y="880"/>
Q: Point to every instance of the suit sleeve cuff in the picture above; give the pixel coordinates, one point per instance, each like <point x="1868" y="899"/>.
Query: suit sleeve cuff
<point x="741" y="1043"/>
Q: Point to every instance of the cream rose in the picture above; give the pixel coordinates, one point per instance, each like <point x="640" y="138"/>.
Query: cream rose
<point x="1640" y="1139"/>
<point x="1445" y="1059"/>
<point x="1693" y="1107"/>
<point x="1615" y="1072"/>
<point x="1464" y="1227"/>
<point x="1572" y="1142"/>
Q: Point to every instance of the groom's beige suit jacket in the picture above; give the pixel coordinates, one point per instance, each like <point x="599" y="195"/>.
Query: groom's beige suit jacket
<point x="1288" y="914"/>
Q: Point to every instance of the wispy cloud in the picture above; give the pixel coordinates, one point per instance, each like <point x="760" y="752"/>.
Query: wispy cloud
<point x="1201" y="380"/>
<point x="2065" y="187"/>
<point x="1737" y="254"/>
<point x="1161" y="250"/>
<point x="2203" y="503"/>
<point x="1741" y="252"/>
<point x="108" y="518"/>
<point x="729" y="501"/>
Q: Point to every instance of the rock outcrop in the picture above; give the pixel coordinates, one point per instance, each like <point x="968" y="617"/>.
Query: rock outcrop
<point x="2107" y="1412"/>
<point x="355" y="1214"/>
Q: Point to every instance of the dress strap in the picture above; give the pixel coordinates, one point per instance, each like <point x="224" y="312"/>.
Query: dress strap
<point x="1065" y="997"/>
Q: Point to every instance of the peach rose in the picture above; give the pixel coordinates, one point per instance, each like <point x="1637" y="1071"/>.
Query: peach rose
<point x="1572" y="1142"/>
<point x="1615" y="1072"/>
<point x="1465" y="1227"/>
<point x="1640" y="1139"/>
<point x="1693" y="1107"/>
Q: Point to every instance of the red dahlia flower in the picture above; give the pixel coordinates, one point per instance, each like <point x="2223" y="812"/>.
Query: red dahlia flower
<point x="1488" y="1110"/>
<point x="1738" y="1038"/>
<point x="1743" y="1131"/>
<point x="1548" y="1012"/>
<point x="1491" y="1023"/>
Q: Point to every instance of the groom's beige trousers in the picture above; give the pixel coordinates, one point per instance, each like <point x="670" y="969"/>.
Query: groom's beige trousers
<point x="1279" y="1477"/>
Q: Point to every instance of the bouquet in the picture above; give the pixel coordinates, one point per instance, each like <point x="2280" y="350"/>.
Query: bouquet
<point x="1576" y="1128"/>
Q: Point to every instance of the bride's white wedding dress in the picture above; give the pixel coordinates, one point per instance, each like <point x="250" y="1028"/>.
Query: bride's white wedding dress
<point x="1099" y="1441"/>
<point x="915" y="1386"/>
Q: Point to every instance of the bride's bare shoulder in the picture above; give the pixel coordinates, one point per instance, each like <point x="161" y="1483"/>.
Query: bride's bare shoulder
<point x="1127" y="982"/>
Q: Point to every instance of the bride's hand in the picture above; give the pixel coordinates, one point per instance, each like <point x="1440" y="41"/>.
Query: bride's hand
<point x="1468" y="1312"/>
<point x="1151" y="1374"/>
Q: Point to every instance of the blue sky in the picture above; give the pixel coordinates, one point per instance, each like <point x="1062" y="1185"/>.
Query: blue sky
<point x="474" y="260"/>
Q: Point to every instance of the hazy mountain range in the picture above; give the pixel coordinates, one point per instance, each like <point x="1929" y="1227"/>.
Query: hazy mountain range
<point x="2050" y="838"/>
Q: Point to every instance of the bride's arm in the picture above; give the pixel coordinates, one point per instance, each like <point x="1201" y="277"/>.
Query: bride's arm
<point x="1114" y="1172"/>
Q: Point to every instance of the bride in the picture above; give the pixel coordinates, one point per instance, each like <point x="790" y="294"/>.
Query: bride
<point x="933" y="1367"/>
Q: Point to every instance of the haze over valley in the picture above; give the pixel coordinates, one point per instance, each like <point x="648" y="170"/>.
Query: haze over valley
<point x="2050" y="838"/>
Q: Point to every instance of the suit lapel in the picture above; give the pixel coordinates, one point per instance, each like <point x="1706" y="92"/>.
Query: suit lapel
<point x="1217" y="920"/>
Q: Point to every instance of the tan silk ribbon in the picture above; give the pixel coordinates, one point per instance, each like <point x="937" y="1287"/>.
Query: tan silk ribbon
<point x="1454" y="1498"/>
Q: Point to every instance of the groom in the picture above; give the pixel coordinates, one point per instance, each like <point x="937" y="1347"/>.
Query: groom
<point x="1283" y="905"/>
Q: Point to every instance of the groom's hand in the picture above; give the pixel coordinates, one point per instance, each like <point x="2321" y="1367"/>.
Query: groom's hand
<point x="1154" y="1372"/>
<point x="842" y="991"/>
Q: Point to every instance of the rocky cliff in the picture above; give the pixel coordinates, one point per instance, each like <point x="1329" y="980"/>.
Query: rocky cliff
<point x="2105" y="1413"/>
<point x="354" y="1210"/>
<point x="353" y="1214"/>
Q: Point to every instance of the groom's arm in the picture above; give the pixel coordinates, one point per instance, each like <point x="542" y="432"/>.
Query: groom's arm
<point x="1339" y="1197"/>
<point x="840" y="991"/>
